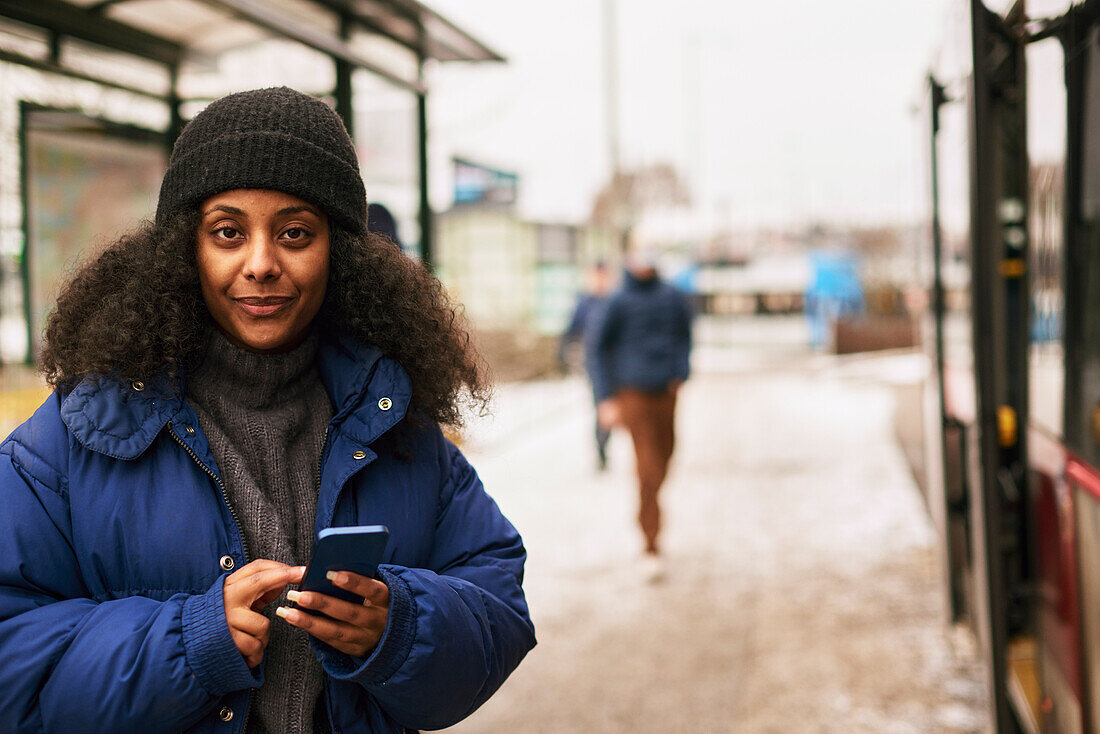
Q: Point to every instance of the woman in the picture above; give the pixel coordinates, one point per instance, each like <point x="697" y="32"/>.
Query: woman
<point x="248" y="369"/>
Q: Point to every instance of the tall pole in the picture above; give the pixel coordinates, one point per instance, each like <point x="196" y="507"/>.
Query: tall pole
<point x="611" y="83"/>
<point x="620" y="216"/>
<point x="342" y="93"/>
<point x="425" y="213"/>
<point x="175" y="117"/>
<point x="691" y="52"/>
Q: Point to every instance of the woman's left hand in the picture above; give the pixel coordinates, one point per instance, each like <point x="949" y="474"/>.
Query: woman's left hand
<point x="351" y="628"/>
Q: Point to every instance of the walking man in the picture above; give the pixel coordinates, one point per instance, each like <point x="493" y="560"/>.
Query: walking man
<point x="590" y="305"/>
<point x="640" y="350"/>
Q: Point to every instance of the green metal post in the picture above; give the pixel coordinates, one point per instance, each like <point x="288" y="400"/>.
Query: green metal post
<point x="175" y="120"/>
<point x="427" y="250"/>
<point x="425" y="215"/>
<point x="342" y="93"/>
<point x="24" y="265"/>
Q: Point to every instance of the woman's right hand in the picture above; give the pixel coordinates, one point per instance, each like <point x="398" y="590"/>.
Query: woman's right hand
<point x="246" y="592"/>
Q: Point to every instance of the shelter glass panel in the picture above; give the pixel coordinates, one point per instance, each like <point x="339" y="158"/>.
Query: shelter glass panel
<point x="86" y="184"/>
<point x="386" y="140"/>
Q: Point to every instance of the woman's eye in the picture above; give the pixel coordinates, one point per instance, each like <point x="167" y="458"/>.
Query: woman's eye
<point x="226" y="233"/>
<point x="296" y="234"/>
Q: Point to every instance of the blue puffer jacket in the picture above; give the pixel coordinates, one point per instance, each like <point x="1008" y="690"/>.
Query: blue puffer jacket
<point x="641" y="339"/>
<point x="114" y="529"/>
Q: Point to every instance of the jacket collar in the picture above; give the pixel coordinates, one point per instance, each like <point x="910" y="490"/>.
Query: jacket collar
<point x="633" y="282"/>
<point x="370" y="394"/>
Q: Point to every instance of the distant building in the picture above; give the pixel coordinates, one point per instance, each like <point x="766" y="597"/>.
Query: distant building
<point x="516" y="275"/>
<point x="764" y="284"/>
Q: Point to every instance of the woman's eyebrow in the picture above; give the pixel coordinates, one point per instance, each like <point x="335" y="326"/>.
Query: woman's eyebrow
<point x="224" y="208"/>
<point x="296" y="209"/>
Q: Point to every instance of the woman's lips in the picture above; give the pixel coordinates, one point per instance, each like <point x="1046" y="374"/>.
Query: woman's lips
<point x="265" y="306"/>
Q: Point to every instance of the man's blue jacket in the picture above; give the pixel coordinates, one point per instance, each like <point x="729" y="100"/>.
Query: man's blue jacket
<point x="114" y="530"/>
<point x="641" y="339"/>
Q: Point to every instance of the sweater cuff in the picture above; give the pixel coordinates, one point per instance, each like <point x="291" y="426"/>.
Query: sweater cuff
<point x="392" y="650"/>
<point x="211" y="654"/>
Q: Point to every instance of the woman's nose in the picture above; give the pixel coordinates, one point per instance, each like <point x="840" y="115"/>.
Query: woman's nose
<point x="261" y="258"/>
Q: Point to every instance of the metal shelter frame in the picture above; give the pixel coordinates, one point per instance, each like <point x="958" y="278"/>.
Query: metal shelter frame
<point x="408" y="23"/>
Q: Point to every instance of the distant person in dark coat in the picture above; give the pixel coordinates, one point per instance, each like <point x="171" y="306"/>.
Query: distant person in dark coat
<point x="640" y="350"/>
<point x="380" y="221"/>
<point x="590" y="304"/>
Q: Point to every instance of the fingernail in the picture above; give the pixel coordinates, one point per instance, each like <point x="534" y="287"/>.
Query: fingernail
<point x="282" y="611"/>
<point x="293" y="595"/>
<point x="331" y="575"/>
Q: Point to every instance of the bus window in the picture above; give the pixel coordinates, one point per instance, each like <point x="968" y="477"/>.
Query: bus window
<point x="954" y="186"/>
<point x="1046" y="146"/>
<point x="1083" y="434"/>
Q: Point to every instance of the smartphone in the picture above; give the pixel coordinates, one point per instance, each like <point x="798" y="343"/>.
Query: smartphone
<point x="358" y="549"/>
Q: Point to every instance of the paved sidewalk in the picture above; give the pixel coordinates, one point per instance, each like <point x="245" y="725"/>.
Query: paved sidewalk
<point x="802" y="594"/>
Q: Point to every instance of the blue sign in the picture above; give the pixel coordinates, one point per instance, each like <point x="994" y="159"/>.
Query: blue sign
<point x="478" y="184"/>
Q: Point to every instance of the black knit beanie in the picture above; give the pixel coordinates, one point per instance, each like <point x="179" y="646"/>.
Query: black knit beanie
<point x="267" y="139"/>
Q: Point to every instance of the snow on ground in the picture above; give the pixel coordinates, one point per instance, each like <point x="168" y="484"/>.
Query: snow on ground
<point x="802" y="593"/>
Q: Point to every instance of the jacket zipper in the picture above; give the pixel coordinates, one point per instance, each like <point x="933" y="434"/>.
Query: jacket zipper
<point x="236" y="521"/>
<point x="321" y="465"/>
<point x="221" y="486"/>
<point x="327" y="688"/>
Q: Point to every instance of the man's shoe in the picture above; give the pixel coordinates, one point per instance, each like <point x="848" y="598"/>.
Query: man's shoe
<point x="652" y="567"/>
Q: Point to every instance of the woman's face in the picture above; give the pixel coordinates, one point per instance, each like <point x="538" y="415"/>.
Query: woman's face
<point x="263" y="260"/>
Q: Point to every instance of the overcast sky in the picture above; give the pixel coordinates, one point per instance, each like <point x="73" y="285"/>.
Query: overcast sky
<point x="776" y="112"/>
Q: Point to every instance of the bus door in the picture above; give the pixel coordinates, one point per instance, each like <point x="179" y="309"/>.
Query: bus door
<point x="950" y="346"/>
<point x="950" y="393"/>
<point x="999" y="307"/>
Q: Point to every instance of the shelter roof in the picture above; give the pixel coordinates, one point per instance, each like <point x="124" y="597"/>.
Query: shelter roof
<point x="379" y="35"/>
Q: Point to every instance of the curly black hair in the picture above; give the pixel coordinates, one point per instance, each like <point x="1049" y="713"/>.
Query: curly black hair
<point x="136" y="311"/>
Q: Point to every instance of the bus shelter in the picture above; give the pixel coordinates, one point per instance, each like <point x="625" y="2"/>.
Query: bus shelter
<point x="94" y="92"/>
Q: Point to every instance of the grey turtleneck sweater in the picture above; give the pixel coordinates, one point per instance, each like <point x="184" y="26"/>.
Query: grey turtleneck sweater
<point x="265" y="418"/>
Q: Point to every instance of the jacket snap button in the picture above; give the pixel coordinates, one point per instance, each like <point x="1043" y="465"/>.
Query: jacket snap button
<point x="359" y="455"/>
<point x="385" y="404"/>
<point x="226" y="714"/>
<point x="227" y="562"/>
<point x="138" y="385"/>
<point x="190" y="430"/>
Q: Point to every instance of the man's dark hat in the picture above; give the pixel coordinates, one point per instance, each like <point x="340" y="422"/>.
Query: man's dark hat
<point x="274" y="138"/>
